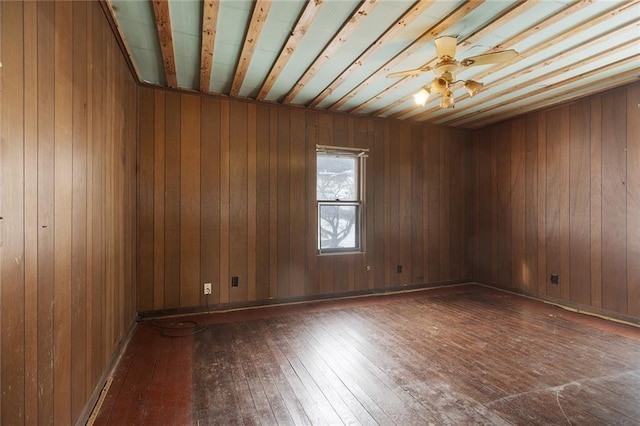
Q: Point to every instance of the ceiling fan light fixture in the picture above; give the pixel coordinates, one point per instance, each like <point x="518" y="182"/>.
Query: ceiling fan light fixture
<point x="439" y="85"/>
<point x="422" y="96"/>
<point x="447" y="100"/>
<point x="473" y="87"/>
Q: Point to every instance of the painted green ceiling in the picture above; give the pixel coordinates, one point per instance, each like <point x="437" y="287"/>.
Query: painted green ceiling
<point x="567" y="49"/>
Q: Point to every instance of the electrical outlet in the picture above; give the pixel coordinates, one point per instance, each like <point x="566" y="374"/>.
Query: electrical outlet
<point x="554" y="279"/>
<point x="234" y="281"/>
<point x="207" y="288"/>
<point x="399" y="269"/>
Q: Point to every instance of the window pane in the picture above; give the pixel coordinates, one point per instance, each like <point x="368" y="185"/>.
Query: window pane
<point x="338" y="227"/>
<point x="337" y="178"/>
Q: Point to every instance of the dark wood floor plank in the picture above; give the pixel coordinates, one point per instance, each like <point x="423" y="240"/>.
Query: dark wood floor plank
<point x="349" y="354"/>
<point x="252" y="375"/>
<point x="296" y="411"/>
<point x="323" y="377"/>
<point x="457" y="355"/>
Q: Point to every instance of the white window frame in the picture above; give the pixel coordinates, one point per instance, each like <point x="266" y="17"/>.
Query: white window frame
<point x="359" y="155"/>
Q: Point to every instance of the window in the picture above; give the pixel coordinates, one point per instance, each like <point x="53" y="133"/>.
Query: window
<point x="339" y="188"/>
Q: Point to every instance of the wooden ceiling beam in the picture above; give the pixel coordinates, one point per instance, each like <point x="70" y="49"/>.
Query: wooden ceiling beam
<point x="258" y="19"/>
<point x="392" y="32"/>
<point x="338" y="40"/>
<point x="163" y="25"/>
<point x="451" y="19"/>
<point x="210" y="10"/>
<point x="110" y="14"/>
<point x="546" y="63"/>
<point x="581" y="91"/>
<point x="301" y="27"/>
<point x="526" y="33"/>
<point x="463" y="45"/>
<point x="532" y="32"/>
<point x="586" y="61"/>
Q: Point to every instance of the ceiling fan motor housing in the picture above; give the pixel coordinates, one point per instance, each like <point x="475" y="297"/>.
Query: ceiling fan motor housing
<point x="446" y="66"/>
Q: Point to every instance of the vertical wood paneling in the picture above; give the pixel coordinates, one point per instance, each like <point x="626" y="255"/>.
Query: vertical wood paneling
<point x="426" y="225"/>
<point x="494" y="235"/>
<point x="284" y="212"/>
<point x="224" y="201"/>
<point x="596" y="201"/>
<point x="482" y="190"/>
<point x="312" y="139"/>
<point x="98" y="251"/>
<point x="273" y="202"/>
<point x="457" y="201"/>
<point x="579" y="206"/>
<point x="580" y="200"/>
<point x="146" y="202"/>
<point x="79" y="214"/>
<point x="633" y="200"/>
<point x="504" y="187"/>
<point x="190" y="285"/>
<point x="251" y="201"/>
<point x="255" y="184"/>
<point x="31" y="217"/>
<point x="12" y="339"/>
<point x="433" y="216"/>
<point x="171" y="202"/>
<point x="614" y="201"/>
<point x="565" y="264"/>
<point x="386" y="184"/>
<point x="237" y="201"/>
<point x="46" y="30"/>
<point x="68" y="124"/>
<point x="417" y="273"/>
<point x="532" y="219"/>
<point x="210" y="197"/>
<point x="470" y="209"/>
<point x="378" y="268"/>
<point x="391" y="227"/>
<point x="404" y="203"/>
<point x="518" y="194"/>
<point x="542" y="203"/>
<point x="462" y="240"/>
<point x="158" y="195"/>
<point x="263" y="197"/>
<point x="445" y="208"/>
<point x="553" y="202"/>
<point x="531" y="204"/>
<point x="93" y="339"/>
<point x="297" y="218"/>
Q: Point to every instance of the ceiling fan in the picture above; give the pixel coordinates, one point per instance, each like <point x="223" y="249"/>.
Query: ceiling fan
<point x="445" y="70"/>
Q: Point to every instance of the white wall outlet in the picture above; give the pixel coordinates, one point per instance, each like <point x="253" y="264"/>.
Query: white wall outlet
<point x="207" y="288"/>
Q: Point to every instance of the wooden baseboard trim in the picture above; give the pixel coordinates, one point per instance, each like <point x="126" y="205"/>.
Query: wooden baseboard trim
<point x="93" y="404"/>
<point x="229" y="307"/>
<point x="569" y="306"/>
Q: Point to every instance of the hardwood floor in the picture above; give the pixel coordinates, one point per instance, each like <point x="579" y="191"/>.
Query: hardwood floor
<point x="459" y="355"/>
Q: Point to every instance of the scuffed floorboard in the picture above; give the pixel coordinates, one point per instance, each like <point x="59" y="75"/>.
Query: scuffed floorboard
<point x="458" y="355"/>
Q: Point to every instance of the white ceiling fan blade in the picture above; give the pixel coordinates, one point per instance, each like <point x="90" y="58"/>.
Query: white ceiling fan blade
<point x="489" y="58"/>
<point x="446" y="46"/>
<point x="408" y="72"/>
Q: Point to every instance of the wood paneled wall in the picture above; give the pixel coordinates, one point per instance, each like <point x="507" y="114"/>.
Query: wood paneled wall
<point x="68" y="199"/>
<point x="227" y="188"/>
<point x="558" y="192"/>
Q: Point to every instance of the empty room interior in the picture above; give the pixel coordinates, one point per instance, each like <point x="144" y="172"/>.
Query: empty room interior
<point x="319" y="212"/>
